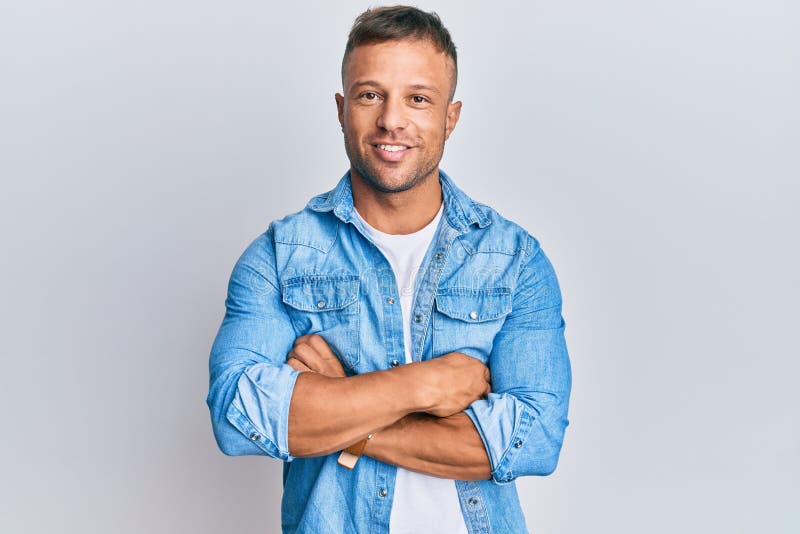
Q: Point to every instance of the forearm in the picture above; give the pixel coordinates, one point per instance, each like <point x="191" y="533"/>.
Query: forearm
<point x="328" y="414"/>
<point x="446" y="447"/>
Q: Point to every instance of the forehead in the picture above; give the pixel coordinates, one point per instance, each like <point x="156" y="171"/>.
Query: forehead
<point x="405" y="61"/>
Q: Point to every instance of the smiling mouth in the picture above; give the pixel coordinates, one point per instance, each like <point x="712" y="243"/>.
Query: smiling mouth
<point x="391" y="153"/>
<point x="392" y="148"/>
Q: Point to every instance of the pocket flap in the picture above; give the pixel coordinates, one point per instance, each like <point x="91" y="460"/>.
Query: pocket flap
<point x="474" y="305"/>
<point x="319" y="293"/>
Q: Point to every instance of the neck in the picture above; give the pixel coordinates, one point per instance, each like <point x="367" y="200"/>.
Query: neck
<point x="398" y="213"/>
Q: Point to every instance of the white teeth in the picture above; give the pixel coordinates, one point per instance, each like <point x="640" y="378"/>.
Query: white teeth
<point x="392" y="148"/>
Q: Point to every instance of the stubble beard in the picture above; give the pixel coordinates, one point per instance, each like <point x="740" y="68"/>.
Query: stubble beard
<point x="370" y="174"/>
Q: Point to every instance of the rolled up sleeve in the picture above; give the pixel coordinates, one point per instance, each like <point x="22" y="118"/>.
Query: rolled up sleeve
<point x="522" y="422"/>
<point x="250" y="385"/>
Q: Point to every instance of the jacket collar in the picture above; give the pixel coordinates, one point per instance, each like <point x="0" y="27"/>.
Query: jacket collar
<point x="459" y="209"/>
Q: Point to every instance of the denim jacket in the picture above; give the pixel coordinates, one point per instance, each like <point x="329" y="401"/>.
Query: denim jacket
<point x="485" y="288"/>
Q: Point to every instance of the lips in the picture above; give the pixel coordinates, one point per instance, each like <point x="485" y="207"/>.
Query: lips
<point x="391" y="152"/>
<point x="392" y="148"/>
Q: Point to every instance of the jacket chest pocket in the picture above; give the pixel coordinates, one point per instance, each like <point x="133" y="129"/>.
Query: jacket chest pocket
<point x="326" y="305"/>
<point x="467" y="320"/>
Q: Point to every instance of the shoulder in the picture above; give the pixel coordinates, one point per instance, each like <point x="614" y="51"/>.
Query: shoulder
<point x="307" y="227"/>
<point x="501" y="235"/>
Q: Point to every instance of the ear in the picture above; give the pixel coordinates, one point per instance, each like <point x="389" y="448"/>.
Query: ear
<point x="453" y="113"/>
<point x="340" y="108"/>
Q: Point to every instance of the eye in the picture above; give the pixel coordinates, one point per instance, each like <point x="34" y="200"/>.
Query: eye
<point x="419" y="99"/>
<point x="369" y="95"/>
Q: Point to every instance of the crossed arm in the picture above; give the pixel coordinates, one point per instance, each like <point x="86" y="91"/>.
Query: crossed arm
<point x="414" y="411"/>
<point x="436" y="417"/>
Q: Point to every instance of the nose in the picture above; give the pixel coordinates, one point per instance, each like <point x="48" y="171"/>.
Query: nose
<point x="392" y="115"/>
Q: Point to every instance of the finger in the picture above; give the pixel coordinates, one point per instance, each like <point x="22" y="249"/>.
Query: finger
<point x="307" y="355"/>
<point x="314" y="352"/>
<point x="302" y="339"/>
<point x="317" y="344"/>
<point x="297" y="365"/>
<point x="323" y="349"/>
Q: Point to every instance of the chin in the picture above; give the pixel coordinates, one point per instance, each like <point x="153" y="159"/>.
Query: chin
<point x="388" y="186"/>
<point x="393" y="184"/>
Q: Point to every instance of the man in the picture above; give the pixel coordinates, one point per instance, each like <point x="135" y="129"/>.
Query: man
<point x="367" y="320"/>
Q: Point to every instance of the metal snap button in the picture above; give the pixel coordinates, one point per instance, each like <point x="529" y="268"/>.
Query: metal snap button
<point x="473" y="501"/>
<point x="395" y="363"/>
<point x="417" y="318"/>
<point x="390" y="300"/>
<point x="473" y="315"/>
<point x="438" y="256"/>
<point x="383" y="492"/>
<point x="254" y="436"/>
<point x="320" y="304"/>
<point x="518" y="443"/>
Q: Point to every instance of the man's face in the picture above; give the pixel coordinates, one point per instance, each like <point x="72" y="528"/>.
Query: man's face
<point x="395" y="112"/>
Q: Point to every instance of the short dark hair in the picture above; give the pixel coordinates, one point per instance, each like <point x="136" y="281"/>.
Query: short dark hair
<point x="396" y="23"/>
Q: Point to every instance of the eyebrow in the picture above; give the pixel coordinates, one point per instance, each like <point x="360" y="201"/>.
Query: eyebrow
<point x="422" y="87"/>
<point x="416" y="86"/>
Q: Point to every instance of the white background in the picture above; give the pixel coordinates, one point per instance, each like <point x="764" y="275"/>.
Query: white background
<point x="652" y="147"/>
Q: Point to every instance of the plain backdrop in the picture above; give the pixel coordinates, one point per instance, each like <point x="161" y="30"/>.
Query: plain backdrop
<point x="652" y="147"/>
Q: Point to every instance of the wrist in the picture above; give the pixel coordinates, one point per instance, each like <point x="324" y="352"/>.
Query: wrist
<point x="420" y="385"/>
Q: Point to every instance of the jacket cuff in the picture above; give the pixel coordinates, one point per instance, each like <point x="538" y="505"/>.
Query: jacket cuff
<point x="260" y="407"/>
<point x="503" y="423"/>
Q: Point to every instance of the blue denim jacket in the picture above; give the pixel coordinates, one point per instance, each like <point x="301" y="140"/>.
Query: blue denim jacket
<point x="485" y="288"/>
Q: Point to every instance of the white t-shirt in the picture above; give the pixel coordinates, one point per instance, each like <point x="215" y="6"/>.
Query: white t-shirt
<point x="421" y="503"/>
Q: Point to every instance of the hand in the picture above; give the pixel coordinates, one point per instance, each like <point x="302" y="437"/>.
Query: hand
<point x="455" y="381"/>
<point x="311" y="353"/>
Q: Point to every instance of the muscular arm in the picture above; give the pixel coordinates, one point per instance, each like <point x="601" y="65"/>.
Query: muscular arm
<point x="446" y="447"/>
<point x="328" y="414"/>
<point x="330" y="411"/>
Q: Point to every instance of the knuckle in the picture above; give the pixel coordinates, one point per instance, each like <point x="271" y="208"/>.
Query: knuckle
<point x="299" y="351"/>
<point x="302" y="340"/>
